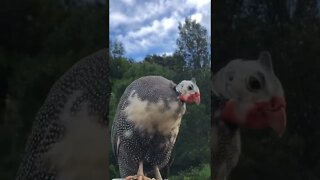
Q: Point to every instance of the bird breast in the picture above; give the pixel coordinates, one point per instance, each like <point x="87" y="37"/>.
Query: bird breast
<point x="162" y="117"/>
<point x="81" y="153"/>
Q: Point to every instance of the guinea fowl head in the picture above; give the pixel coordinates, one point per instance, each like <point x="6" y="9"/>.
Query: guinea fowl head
<point x="188" y="91"/>
<point x="255" y="98"/>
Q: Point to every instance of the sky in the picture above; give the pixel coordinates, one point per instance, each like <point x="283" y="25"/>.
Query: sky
<point x="147" y="27"/>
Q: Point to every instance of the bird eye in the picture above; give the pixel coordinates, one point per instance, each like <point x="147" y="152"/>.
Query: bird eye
<point x="254" y="84"/>
<point x="230" y="76"/>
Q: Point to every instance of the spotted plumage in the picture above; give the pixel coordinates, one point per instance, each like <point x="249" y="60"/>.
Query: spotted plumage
<point x="147" y="122"/>
<point x="69" y="135"/>
<point x="246" y="93"/>
<point x="226" y="145"/>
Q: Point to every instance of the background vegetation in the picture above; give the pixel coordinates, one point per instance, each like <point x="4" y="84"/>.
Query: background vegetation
<point x="289" y="29"/>
<point x="40" y="40"/>
<point x="190" y="59"/>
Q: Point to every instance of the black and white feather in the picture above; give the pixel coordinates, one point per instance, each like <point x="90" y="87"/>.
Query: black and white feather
<point x="69" y="136"/>
<point x="147" y="123"/>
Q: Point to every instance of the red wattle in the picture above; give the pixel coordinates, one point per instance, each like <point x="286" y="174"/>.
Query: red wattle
<point x="192" y="98"/>
<point x="260" y="115"/>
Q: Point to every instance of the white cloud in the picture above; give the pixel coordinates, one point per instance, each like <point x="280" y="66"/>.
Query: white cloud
<point x="199" y="3"/>
<point x="165" y="53"/>
<point x="151" y="27"/>
<point x="147" y="36"/>
<point x="128" y="2"/>
<point x="117" y="18"/>
<point x="197" y="17"/>
<point x="203" y="13"/>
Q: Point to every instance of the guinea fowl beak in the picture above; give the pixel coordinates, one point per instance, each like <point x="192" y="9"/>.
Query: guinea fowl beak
<point x="196" y="98"/>
<point x="277" y="115"/>
<point x="273" y="113"/>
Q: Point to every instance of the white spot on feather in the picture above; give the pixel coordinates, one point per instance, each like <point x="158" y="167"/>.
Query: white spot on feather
<point x="154" y="117"/>
<point x="82" y="153"/>
<point x="128" y="134"/>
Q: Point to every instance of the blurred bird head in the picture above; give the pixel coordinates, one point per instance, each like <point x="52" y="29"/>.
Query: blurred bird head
<point x="254" y="93"/>
<point x="188" y="91"/>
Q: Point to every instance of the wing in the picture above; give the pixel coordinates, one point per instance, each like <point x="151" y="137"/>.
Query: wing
<point x="115" y="140"/>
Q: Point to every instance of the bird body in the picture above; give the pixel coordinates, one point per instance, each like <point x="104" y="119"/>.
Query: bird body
<point x="245" y="94"/>
<point x="226" y="143"/>
<point x="147" y="123"/>
<point x="70" y="134"/>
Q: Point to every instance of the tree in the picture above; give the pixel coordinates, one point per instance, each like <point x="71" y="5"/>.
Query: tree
<point x="116" y="49"/>
<point x="193" y="44"/>
<point x="174" y="62"/>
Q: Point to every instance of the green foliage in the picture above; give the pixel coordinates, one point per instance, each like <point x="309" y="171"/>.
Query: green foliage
<point x="113" y="170"/>
<point x="175" y="62"/>
<point x="191" y="59"/>
<point x="118" y="67"/>
<point x="194" y="134"/>
<point x="201" y="172"/>
<point x="145" y="68"/>
<point x="195" y="129"/>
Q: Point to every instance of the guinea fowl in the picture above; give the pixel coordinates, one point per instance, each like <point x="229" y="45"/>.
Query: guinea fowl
<point x="147" y="123"/>
<point x="246" y="93"/>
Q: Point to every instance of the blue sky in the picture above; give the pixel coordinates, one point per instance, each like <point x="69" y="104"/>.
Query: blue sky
<point x="151" y="26"/>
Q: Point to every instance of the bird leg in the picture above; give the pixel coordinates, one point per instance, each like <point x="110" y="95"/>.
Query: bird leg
<point x="140" y="169"/>
<point x="157" y="173"/>
<point x="140" y="174"/>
